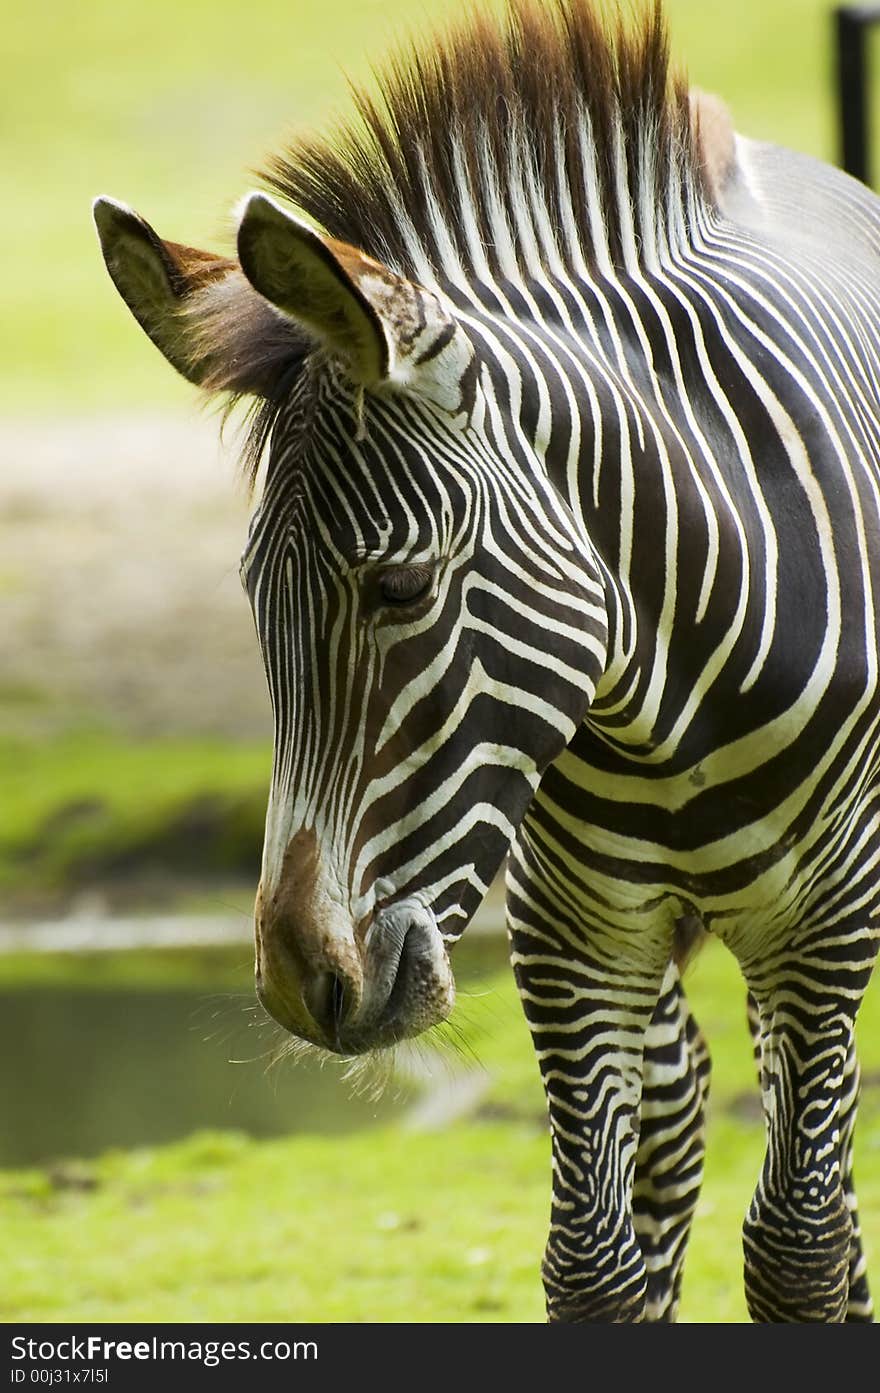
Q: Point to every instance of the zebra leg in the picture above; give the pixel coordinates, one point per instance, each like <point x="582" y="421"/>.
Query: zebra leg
<point x="798" y="1235"/>
<point x="669" y="1162"/>
<point x="860" y="1307"/>
<point x="589" y="1005"/>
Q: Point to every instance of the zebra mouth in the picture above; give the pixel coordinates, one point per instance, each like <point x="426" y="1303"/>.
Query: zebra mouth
<point x="408" y="982"/>
<point x="351" y="995"/>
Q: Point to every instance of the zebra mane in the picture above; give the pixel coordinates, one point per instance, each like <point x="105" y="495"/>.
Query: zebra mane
<point x="558" y="117"/>
<point x="556" y="136"/>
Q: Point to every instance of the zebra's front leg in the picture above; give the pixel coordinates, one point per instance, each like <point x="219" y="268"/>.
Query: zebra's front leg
<point x="860" y="1307"/>
<point x="589" y="1005"/>
<point x="799" y="1235"/>
<point x="672" y="1144"/>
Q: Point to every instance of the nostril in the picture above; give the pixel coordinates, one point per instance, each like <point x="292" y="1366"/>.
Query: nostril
<point x="328" y="998"/>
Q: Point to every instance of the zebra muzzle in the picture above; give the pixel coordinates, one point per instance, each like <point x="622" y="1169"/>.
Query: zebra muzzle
<point x="351" y="996"/>
<point x="408" y="982"/>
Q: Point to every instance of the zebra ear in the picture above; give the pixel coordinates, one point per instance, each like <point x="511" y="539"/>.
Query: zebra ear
<point x="156" y="279"/>
<point x="386" y="329"/>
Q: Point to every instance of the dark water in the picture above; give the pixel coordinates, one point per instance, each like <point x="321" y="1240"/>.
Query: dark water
<point x="84" y="1068"/>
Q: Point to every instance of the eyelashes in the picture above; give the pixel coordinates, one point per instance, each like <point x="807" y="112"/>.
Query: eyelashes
<point x="397" y="587"/>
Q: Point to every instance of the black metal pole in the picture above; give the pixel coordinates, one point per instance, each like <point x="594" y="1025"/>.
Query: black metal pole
<point x="852" y="87"/>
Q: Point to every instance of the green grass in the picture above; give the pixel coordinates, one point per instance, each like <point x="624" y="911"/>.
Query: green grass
<point x="220" y="1229"/>
<point x="388" y="1225"/>
<point x="169" y="106"/>
<point x="88" y="805"/>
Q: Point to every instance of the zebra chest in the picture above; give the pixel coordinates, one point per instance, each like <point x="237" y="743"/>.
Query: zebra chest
<point x="713" y="838"/>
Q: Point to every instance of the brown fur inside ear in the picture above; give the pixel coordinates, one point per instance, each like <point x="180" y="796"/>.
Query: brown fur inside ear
<point x="713" y="135"/>
<point x="190" y="269"/>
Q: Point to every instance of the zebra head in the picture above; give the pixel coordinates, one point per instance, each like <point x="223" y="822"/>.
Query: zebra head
<point x="431" y="621"/>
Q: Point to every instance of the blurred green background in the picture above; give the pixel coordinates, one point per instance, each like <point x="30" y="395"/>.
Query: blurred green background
<point x="147" y="1176"/>
<point x="167" y="107"/>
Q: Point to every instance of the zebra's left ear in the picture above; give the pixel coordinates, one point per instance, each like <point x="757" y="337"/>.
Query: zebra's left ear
<point x="387" y="330"/>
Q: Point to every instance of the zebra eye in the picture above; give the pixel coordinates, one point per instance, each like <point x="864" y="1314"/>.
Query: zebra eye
<point x="404" y="585"/>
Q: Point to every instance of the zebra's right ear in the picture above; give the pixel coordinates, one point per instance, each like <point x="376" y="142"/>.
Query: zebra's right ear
<point x="156" y="279"/>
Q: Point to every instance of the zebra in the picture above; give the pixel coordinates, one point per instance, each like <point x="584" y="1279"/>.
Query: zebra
<point x="567" y="398"/>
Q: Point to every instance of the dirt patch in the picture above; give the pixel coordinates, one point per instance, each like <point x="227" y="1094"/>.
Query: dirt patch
<point x="120" y="601"/>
